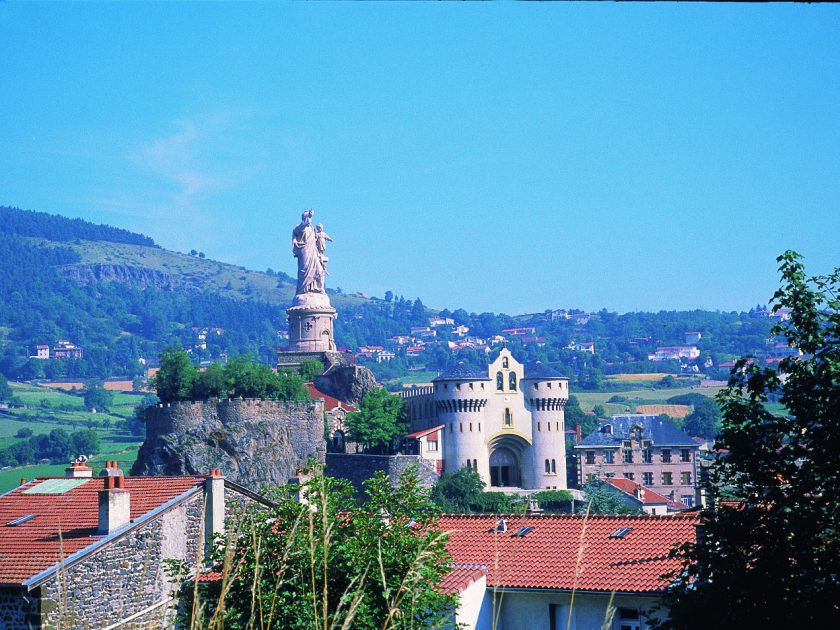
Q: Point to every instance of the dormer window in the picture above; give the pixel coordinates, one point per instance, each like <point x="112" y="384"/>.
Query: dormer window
<point x="607" y="428"/>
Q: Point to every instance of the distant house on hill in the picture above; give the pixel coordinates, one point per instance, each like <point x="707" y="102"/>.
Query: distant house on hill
<point x="93" y="548"/>
<point x="692" y="337"/>
<point x="64" y="349"/>
<point x="518" y="332"/>
<point x="674" y="353"/>
<point x="583" y="346"/>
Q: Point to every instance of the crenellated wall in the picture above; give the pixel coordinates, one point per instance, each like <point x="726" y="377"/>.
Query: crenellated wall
<point x="256" y="443"/>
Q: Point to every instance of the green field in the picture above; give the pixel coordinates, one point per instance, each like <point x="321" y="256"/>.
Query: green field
<point x="641" y="396"/>
<point x="413" y="378"/>
<point x="43" y="415"/>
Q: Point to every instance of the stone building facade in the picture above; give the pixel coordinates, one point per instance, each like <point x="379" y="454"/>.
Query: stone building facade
<point x="90" y="552"/>
<point x="507" y="423"/>
<point x="646" y="449"/>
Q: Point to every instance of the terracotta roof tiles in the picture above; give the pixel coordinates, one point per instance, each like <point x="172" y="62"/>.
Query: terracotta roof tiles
<point x="547" y="556"/>
<point x="66" y="523"/>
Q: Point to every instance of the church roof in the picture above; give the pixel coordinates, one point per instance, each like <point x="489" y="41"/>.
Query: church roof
<point x="539" y="370"/>
<point x="660" y="432"/>
<point x="462" y="372"/>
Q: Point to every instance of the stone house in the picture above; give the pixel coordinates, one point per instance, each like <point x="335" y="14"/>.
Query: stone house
<point x="335" y="412"/>
<point x="88" y="552"/>
<point x="642" y="448"/>
<point x="427" y="444"/>
<point x="520" y="571"/>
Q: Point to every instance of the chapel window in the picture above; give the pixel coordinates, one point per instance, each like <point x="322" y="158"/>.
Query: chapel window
<point x="512" y="381"/>
<point x="508" y="419"/>
<point x="500" y="381"/>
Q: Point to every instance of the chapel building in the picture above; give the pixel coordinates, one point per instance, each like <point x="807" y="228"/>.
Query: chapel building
<point x="506" y="423"/>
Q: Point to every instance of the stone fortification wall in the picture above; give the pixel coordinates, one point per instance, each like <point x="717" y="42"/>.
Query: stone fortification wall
<point x="256" y="443"/>
<point x="358" y="468"/>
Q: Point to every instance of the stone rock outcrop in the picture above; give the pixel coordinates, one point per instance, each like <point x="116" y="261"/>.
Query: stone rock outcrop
<point x="348" y="383"/>
<point x="256" y="443"/>
<point x="124" y="274"/>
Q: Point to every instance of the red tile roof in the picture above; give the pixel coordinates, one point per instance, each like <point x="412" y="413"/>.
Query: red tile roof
<point x="651" y="497"/>
<point x="425" y="432"/>
<point x="330" y="402"/>
<point x="34" y="546"/>
<point x="461" y="577"/>
<point x="547" y="557"/>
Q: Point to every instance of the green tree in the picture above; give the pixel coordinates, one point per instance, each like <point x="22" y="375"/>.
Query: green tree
<point x="5" y="390"/>
<point x="310" y="368"/>
<point x="599" y="411"/>
<point x="456" y="492"/>
<point x="601" y="500"/>
<point x="175" y="378"/>
<point x="97" y="397"/>
<point x="24" y="433"/>
<point x="331" y="562"/>
<point x="379" y="423"/>
<point x="704" y="419"/>
<point x="770" y="558"/>
<point x="211" y="383"/>
<point x="574" y="415"/>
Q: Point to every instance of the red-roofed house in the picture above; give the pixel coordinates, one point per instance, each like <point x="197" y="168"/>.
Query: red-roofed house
<point x="637" y="496"/>
<point x="428" y="444"/>
<point x="534" y="562"/>
<point x="336" y="411"/>
<point x="91" y="549"/>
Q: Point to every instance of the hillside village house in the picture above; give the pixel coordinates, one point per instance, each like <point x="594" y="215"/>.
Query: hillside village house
<point x="642" y="448"/>
<point x="520" y="571"/>
<point x="87" y="552"/>
<point x="674" y="353"/>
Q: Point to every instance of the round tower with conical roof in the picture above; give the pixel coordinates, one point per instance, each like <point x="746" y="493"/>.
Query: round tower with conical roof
<point x="460" y="396"/>
<point x="546" y="393"/>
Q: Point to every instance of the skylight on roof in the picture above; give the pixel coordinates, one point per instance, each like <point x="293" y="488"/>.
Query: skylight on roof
<point x="621" y="532"/>
<point x="55" y="486"/>
<point x="21" y="520"/>
<point x="522" y="532"/>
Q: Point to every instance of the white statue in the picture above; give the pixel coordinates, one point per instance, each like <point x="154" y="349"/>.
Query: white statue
<point x="304" y="247"/>
<point x="321" y="239"/>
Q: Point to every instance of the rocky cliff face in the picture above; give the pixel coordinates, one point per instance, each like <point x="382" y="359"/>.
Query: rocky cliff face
<point x="256" y="443"/>
<point x="134" y="276"/>
<point x="348" y="383"/>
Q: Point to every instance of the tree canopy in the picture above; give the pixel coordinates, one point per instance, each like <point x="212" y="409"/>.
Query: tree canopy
<point x="769" y="555"/>
<point x="242" y="377"/>
<point x="601" y="500"/>
<point x="380" y="422"/>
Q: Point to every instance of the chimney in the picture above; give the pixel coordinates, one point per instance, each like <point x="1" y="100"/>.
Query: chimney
<point x="78" y="469"/>
<point x="640" y="493"/>
<point x="214" y="507"/>
<point x="114" y="502"/>
<point x="578" y="436"/>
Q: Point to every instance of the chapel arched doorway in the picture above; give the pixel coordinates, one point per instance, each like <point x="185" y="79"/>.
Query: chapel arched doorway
<point x="504" y="468"/>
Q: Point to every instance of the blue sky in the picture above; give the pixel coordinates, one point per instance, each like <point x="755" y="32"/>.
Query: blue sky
<point x="500" y="157"/>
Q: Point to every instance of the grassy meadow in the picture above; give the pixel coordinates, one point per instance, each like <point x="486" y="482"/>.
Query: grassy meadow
<point x="49" y="409"/>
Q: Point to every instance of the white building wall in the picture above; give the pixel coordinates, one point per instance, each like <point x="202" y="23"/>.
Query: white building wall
<point x="532" y="610"/>
<point x="546" y="401"/>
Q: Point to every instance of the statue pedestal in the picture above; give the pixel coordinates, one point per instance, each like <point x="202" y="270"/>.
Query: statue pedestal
<point x="310" y="331"/>
<point x="311" y="328"/>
